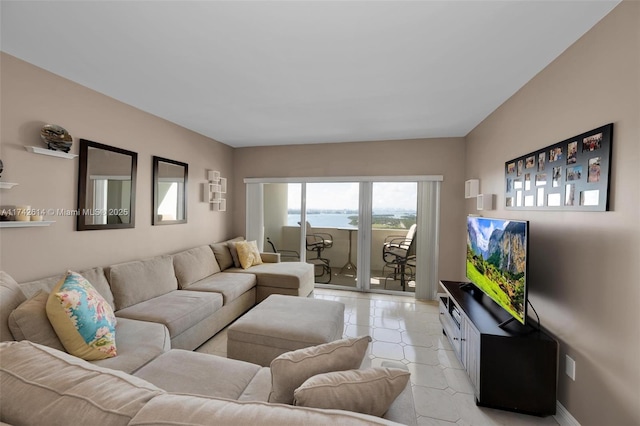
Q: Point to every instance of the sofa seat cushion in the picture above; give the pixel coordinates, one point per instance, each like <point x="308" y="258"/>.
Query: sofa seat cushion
<point x="231" y="286"/>
<point x="138" y="343"/>
<point x="281" y="275"/>
<point x="141" y="280"/>
<point x="189" y="410"/>
<point x="199" y="373"/>
<point x="179" y="310"/>
<point x="51" y="387"/>
<point x="194" y="264"/>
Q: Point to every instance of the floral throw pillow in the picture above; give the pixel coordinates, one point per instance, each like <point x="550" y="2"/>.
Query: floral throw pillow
<point x="82" y="319"/>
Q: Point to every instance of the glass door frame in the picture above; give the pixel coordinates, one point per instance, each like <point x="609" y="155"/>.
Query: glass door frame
<point x="427" y="234"/>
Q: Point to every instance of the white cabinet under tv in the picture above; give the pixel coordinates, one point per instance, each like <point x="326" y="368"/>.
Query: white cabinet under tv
<point x="511" y="368"/>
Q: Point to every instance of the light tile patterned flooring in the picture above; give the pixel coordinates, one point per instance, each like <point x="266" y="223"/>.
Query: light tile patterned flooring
<point x="409" y="331"/>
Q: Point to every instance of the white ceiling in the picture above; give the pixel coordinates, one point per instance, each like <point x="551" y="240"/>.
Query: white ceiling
<point x="294" y="72"/>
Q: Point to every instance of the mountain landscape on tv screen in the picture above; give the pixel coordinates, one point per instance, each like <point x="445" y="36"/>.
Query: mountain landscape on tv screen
<point x="496" y="261"/>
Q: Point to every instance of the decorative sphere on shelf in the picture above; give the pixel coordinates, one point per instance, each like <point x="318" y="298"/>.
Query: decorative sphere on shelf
<point x="56" y="138"/>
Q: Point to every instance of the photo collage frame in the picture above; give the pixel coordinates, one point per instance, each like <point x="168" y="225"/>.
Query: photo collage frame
<point x="568" y="175"/>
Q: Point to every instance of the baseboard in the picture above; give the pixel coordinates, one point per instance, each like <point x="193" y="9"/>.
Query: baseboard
<point x="564" y="417"/>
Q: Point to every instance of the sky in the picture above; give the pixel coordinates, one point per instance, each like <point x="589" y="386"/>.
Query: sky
<point x="345" y="195"/>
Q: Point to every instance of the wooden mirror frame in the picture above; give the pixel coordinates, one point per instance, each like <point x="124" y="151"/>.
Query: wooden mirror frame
<point x="155" y="218"/>
<point x="83" y="178"/>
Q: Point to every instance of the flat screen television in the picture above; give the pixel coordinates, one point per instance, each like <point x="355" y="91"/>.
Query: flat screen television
<point x="496" y="262"/>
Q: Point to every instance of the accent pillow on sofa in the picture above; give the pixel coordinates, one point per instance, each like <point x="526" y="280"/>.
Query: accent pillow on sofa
<point x="367" y="391"/>
<point x="82" y="319"/>
<point x="231" y="244"/>
<point x="248" y="254"/>
<point x="29" y="322"/>
<point x="292" y="369"/>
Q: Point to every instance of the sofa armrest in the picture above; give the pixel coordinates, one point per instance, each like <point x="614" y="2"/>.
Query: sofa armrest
<point x="270" y="257"/>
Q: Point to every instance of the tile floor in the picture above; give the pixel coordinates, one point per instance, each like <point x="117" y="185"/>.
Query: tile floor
<point x="409" y="331"/>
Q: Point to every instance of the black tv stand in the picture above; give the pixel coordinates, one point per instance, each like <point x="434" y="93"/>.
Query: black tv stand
<point x="504" y="323"/>
<point x="509" y="368"/>
<point x="465" y="286"/>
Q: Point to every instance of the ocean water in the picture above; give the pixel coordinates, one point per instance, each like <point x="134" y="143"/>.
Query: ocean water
<point x="324" y="220"/>
<point x="334" y="220"/>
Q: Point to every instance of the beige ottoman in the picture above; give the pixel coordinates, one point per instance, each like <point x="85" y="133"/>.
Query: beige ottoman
<point x="281" y="324"/>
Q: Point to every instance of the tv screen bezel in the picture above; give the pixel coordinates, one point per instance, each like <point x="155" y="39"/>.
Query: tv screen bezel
<point x="524" y="320"/>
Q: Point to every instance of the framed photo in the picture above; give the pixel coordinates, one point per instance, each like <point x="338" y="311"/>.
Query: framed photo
<point x="572" y="174"/>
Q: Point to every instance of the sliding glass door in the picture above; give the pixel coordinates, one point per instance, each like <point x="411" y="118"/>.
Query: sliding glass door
<point x="360" y="233"/>
<point x="393" y="227"/>
<point x="331" y="222"/>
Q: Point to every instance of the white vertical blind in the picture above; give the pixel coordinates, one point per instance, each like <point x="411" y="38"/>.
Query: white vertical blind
<point x="255" y="214"/>
<point x="427" y="243"/>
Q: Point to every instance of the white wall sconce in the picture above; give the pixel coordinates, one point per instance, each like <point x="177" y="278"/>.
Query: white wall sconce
<point x="217" y="189"/>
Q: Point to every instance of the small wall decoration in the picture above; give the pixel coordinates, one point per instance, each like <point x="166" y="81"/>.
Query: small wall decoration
<point x="568" y="175"/>
<point x="56" y="138"/>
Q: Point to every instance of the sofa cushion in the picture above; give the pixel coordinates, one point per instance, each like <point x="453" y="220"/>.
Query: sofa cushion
<point x="29" y="321"/>
<point x="52" y="387"/>
<point x="231" y="286"/>
<point x="138" y="343"/>
<point x="10" y="298"/>
<point x="189" y="410"/>
<point x="234" y="251"/>
<point x="223" y="255"/>
<point x="95" y="276"/>
<point x="368" y="391"/>
<point x="199" y="373"/>
<point x="135" y="282"/>
<point x="82" y="319"/>
<point x="194" y="264"/>
<point x="178" y="310"/>
<point x="289" y="275"/>
<point x="292" y="369"/>
<point x="248" y="254"/>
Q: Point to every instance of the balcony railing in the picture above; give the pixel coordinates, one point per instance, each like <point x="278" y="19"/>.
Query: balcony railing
<point x="340" y="257"/>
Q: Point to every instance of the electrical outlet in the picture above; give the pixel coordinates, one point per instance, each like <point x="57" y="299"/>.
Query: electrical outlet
<point x="570" y="367"/>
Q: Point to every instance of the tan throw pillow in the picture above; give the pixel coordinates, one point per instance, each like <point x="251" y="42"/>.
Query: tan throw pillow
<point x="223" y="255"/>
<point x="248" y="254"/>
<point x="29" y="322"/>
<point x="232" y="249"/>
<point x="368" y="391"/>
<point x="292" y="369"/>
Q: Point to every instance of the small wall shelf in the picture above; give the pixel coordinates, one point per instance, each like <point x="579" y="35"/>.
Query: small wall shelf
<point x="484" y="202"/>
<point x="217" y="187"/>
<point x="7" y="185"/>
<point x="50" y="152"/>
<point x="25" y="224"/>
<point x="471" y="188"/>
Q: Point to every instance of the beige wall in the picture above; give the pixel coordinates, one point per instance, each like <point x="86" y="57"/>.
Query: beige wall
<point x="383" y="158"/>
<point x="32" y="97"/>
<point x="583" y="266"/>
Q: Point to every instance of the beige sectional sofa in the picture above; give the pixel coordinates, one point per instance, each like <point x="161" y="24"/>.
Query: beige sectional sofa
<point x="166" y="306"/>
<point x="44" y="386"/>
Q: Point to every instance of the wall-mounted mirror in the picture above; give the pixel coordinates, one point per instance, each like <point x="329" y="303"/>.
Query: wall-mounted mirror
<point x="106" y="187"/>
<point x="169" y="191"/>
